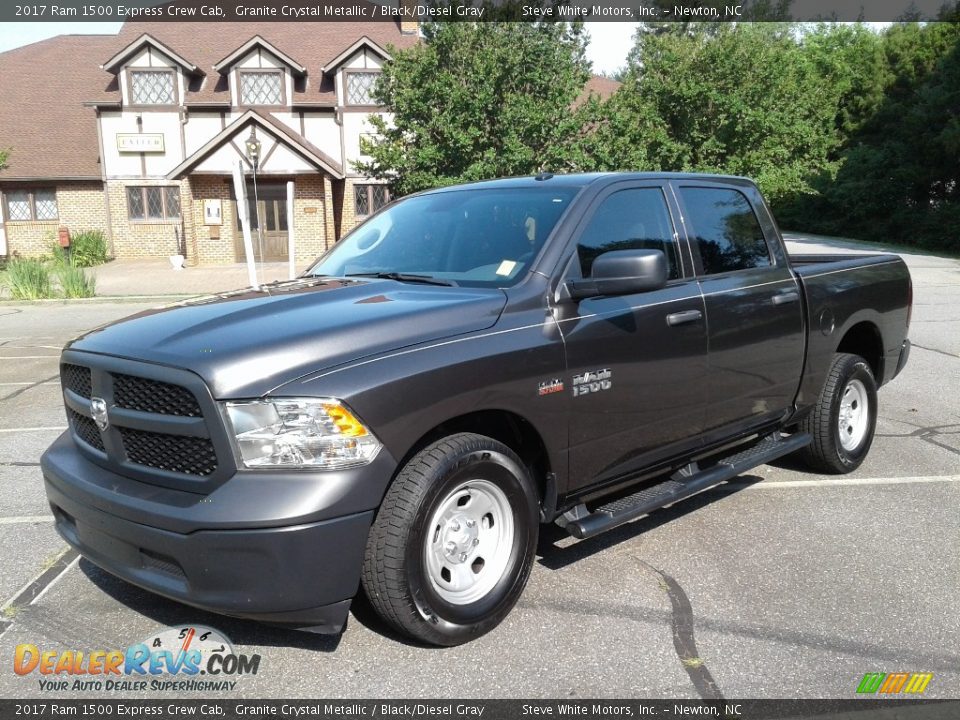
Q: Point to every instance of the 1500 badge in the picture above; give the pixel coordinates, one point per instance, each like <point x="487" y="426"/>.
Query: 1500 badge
<point x="592" y="382"/>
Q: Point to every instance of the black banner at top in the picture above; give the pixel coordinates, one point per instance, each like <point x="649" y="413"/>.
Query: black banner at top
<point x="451" y="709"/>
<point x="479" y="10"/>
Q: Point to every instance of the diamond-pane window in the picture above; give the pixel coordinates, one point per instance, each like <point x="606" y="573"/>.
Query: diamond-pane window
<point x="261" y="88"/>
<point x="152" y="87"/>
<point x="368" y="199"/>
<point x="45" y="204"/>
<point x="31" y="205"/>
<point x="173" y="202"/>
<point x="360" y="87"/>
<point x="361" y="200"/>
<point x="153" y="203"/>
<point x="135" y="203"/>
<point x="18" y="205"/>
<point x="379" y="196"/>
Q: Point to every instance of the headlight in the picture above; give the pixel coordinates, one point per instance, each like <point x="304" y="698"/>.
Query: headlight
<point x="300" y="432"/>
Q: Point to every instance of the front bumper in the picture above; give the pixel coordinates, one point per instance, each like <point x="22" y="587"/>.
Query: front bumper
<point x="221" y="552"/>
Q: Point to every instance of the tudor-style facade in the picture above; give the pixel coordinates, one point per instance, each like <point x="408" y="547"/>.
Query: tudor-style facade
<point x="158" y="126"/>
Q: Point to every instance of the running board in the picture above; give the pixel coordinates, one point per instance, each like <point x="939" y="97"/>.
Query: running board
<point x="678" y="487"/>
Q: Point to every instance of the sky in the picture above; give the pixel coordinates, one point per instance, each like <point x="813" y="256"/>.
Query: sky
<point x="610" y="41"/>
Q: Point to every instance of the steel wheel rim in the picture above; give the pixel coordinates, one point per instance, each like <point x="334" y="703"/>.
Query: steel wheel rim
<point x="854" y="415"/>
<point x="468" y="542"/>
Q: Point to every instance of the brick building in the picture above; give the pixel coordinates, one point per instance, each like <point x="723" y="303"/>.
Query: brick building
<point x="137" y="134"/>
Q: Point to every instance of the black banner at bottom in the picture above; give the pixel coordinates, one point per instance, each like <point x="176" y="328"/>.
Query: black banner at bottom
<point x="917" y="709"/>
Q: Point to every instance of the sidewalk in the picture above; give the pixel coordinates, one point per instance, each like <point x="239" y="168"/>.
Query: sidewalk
<point x="157" y="277"/>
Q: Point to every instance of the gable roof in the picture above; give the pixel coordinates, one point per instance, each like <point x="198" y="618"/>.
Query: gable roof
<point x="363" y="42"/>
<point x="114" y="63"/>
<point x="314" y="45"/>
<point x="256" y="41"/>
<point x="43" y="122"/>
<point x="278" y="130"/>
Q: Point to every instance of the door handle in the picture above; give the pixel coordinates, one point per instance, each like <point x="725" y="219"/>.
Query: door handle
<point x="679" y="318"/>
<point x="786" y="297"/>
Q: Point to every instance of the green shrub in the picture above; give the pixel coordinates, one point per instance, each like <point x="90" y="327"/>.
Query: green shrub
<point x="76" y="283"/>
<point x="87" y="249"/>
<point x="29" y="279"/>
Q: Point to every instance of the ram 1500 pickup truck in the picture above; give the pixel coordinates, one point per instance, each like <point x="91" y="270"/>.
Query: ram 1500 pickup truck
<point x="467" y="364"/>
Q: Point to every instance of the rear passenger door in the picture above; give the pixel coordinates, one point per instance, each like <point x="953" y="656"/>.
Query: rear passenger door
<point x="635" y="363"/>
<point x="753" y="306"/>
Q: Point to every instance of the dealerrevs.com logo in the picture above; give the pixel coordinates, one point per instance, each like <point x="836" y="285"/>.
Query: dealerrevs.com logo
<point x="176" y="659"/>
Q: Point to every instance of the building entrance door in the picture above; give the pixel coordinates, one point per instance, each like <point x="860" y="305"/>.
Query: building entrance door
<point x="272" y="216"/>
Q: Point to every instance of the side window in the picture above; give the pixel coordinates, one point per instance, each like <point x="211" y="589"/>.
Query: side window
<point x="725" y="230"/>
<point x="635" y="219"/>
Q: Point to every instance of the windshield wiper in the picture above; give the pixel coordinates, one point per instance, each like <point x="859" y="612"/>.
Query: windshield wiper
<point x="405" y="277"/>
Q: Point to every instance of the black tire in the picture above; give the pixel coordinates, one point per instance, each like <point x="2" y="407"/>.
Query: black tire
<point x="827" y="453"/>
<point x="397" y="575"/>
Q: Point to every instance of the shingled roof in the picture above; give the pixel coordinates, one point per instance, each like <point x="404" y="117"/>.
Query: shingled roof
<point x="43" y="122"/>
<point x="51" y="133"/>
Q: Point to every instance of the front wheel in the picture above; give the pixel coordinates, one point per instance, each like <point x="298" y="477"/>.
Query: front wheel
<point x="452" y="545"/>
<point x="844" y="419"/>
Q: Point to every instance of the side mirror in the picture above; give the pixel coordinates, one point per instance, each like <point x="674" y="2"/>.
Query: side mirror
<point x="620" y="272"/>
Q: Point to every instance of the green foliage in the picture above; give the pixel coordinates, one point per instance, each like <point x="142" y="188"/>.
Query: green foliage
<point x="847" y="131"/>
<point x="481" y="100"/>
<point x="4" y="157"/>
<point x="900" y="167"/>
<point x="28" y="279"/>
<point x="87" y="249"/>
<point x="742" y="99"/>
<point x="75" y="282"/>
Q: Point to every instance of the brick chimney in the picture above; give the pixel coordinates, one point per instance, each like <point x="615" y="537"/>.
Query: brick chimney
<point x="409" y="23"/>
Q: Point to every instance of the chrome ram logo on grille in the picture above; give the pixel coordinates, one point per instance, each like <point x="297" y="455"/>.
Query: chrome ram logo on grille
<point x="98" y="411"/>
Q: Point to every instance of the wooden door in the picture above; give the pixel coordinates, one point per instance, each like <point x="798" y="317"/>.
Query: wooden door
<point x="272" y="216"/>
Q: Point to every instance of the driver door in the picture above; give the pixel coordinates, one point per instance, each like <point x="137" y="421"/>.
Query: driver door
<point x="636" y="363"/>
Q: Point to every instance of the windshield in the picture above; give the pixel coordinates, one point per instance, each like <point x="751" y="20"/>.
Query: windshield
<point x="476" y="238"/>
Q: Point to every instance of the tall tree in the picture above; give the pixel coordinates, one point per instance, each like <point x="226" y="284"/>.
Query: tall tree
<point x="481" y="100"/>
<point x="739" y="99"/>
<point x="899" y="178"/>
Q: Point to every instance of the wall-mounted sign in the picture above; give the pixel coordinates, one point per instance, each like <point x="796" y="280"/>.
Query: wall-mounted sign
<point x="212" y="212"/>
<point x="140" y="142"/>
<point x="309" y="211"/>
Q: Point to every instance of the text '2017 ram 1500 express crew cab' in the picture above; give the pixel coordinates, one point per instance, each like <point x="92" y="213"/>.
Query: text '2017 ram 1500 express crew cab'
<point x="467" y="364"/>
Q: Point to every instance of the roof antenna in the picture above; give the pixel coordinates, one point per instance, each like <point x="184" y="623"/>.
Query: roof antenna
<point x="543" y="175"/>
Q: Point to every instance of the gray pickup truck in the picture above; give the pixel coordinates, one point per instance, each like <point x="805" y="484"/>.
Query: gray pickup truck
<point x="467" y="364"/>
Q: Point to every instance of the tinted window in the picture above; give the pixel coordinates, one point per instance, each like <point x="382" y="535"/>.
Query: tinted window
<point x="725" y="229"/>
<point x="635" y="219"/>
<point x="474" y="237"/>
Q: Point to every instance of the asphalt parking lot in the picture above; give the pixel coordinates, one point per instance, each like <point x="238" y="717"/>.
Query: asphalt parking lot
<point x="791" y="587"/>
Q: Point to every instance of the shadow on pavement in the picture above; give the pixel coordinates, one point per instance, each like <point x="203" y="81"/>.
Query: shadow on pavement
<point x="170" y="613"/>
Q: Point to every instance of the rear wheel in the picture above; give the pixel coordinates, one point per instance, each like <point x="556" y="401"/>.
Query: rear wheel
<point x="844" y="419"/>
<point x="453" y="542"/>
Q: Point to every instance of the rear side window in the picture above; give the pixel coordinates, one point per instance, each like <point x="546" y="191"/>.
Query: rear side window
<point x="635" y="219"/>
<point x="725" y="230"/>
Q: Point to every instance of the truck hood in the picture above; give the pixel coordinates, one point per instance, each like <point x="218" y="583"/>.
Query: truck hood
<point x="246" y="343"/>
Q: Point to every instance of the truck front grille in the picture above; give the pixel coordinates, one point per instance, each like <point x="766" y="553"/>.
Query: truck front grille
<point x="164" y="431"/>
<point x="85" y="429"/>
<point x="153" y="396"/>
<point x="76" y="378"/>
<point x="176" y="453"/>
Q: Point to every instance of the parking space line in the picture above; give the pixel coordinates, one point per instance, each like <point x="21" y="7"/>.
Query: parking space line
<point x="18" y="384"/>
<point x="35" y="588"/>
<point x="27" y="357"/>
<point x="24" y="519"/>
<point x="33" y="429"/>
<point x="847" y="481"/>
